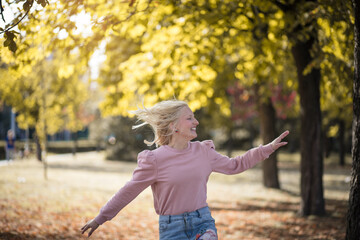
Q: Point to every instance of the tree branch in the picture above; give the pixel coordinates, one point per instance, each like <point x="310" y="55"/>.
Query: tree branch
<point x="280" y="5"/>
<point x="2" y="11"/>
<point x="27" y="12"/>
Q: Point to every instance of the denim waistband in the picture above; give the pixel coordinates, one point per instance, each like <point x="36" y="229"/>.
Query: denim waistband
<point x="197" y="213"/>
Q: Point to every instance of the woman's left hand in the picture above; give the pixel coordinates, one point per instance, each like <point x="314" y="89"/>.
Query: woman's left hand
<point x="92" y="225"/>
<point x="277" y="141"/>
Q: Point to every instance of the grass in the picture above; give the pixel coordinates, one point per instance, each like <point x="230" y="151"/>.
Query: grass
<point x="77" y="187"/>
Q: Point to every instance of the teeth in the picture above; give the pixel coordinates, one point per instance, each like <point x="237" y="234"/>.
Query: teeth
<point x="193" y="129"/>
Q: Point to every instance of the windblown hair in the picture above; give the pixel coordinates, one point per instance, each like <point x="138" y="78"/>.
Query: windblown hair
<point x="159" y="117"/>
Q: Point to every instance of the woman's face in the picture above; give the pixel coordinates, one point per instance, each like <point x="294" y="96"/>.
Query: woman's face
<point x="186" y="125"/>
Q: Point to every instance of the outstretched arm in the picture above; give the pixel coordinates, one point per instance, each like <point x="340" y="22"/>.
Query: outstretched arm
<point x="277" y="143"/>
<point x="144" y="175"/>
<point x="226" y="165"/>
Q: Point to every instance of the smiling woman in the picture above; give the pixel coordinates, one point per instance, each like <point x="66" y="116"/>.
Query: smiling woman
<point x="184" y="128"/>
<point x="178" y="171"/>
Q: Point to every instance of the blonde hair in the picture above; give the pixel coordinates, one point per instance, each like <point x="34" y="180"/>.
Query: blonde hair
<point x="159" y="117"/>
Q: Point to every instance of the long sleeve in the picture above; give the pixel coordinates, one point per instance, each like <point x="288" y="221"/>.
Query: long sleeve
<point x="144" y="175"/>
<point x="226" y="165"/>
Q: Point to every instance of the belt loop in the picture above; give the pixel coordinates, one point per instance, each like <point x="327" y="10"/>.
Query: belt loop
<point x="199" y="215"/>
<point x="169" y="219"/>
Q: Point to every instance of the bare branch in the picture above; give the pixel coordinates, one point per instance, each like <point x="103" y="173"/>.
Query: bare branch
<point x="280" y="5"/>
<point x="11" y="27"/>
<point x="2" y="11"/>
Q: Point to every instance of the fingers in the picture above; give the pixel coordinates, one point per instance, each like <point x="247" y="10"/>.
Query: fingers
<point x="91" y="231"/>
<point x="281" y="144"/>
<point x="92" y="225"/>
<point x="84" y="228"/>
<point x="284" y="134"/>
<point x="277" y="143"/>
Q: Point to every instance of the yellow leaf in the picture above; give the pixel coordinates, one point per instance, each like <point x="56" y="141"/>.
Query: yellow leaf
<point x="66" y="71"/>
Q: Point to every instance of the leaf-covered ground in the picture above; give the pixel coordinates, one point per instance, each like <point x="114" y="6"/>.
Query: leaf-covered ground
<point x="34" y="208"/>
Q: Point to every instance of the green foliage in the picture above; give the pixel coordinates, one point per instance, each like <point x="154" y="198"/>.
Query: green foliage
<point x="9" y="34"/>
<point x="195" y="51"/>
<point x="44" y="77"/>
<point x="49" y="95"/>
<point x="337" y="66"/>
<point x="191" y="50"/>
<point x="331" y="23"/>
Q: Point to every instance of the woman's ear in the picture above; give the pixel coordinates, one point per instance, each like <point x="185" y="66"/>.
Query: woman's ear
<point x="172" y="126"/>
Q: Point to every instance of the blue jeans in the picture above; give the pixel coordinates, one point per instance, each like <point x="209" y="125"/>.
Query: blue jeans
<point x="196" y="225"/>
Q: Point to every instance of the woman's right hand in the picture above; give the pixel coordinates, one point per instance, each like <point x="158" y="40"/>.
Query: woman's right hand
<point x="92" y="225"/>
<point x="278" y="141"/>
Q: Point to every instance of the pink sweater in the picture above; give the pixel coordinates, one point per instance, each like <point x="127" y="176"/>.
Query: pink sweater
<point x="178" y="178"/>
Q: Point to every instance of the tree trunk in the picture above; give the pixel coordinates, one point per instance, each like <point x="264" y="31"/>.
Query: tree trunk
<point x="268" y="134"/>
<point x="341" y="140"/>
<point x="353" y="217"/>
<point x="312" y="194"/>
<point x="38" y="147"/>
